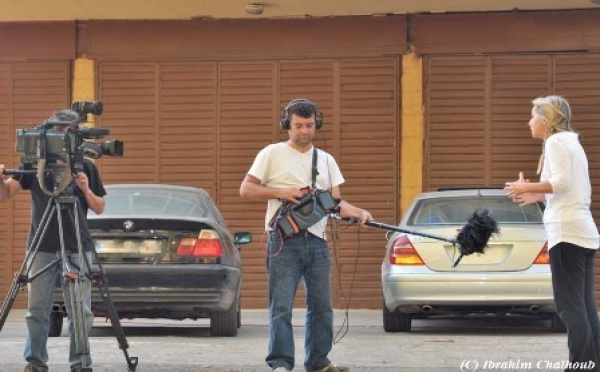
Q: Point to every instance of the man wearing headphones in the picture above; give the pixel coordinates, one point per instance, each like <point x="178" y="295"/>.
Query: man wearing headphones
<point x="278" y="174"/>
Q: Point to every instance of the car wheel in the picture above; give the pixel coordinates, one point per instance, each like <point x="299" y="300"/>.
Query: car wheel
<point x="56" y="324"/>
<point x="396" y="321"/>
<point x="225" y="323"/>
<point x="556" y="324"/>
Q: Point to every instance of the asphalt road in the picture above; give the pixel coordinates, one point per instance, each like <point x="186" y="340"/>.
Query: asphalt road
<point x="474" y="344"/>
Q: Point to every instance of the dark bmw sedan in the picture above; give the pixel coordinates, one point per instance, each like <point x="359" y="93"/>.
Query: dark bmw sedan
<point x="167" y="253"/>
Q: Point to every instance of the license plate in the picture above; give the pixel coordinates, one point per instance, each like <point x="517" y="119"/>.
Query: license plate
<point x="129" y="246"/>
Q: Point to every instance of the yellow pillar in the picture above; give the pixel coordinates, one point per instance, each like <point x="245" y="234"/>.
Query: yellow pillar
<point x="411" y="166"/>
<point x="84" y="82"/>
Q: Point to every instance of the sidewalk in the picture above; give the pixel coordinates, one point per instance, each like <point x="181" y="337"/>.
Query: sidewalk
<point x="518" y="344"/>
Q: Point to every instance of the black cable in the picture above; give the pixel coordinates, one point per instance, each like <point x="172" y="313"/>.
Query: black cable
<point x="344" y="328"/>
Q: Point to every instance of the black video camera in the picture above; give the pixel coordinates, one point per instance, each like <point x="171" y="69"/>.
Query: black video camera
<point x="54" y="150"/>
<point x="61" y="140"/>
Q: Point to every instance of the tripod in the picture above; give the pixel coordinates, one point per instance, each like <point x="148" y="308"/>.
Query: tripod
<point x="74" y="275"/>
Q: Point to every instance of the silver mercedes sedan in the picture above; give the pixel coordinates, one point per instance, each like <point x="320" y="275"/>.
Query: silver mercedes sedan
<point x="511" y="276"/>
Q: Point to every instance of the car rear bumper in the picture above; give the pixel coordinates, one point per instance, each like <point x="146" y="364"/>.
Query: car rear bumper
<point x="136" y="290"/>
<point x="414" y="292"/>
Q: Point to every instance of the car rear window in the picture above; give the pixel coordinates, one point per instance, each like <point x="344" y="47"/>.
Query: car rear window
<point x="150" y="202"/>
<point x="456" y="210"/>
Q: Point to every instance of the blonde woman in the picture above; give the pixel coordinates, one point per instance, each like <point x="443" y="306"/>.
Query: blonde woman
<point x="570" y="229"/>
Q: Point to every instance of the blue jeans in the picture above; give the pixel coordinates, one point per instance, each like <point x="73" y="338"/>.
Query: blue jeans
<point x="39" y="306"/>
<point x="573" y="283"/>
<point x="300" y="257"/>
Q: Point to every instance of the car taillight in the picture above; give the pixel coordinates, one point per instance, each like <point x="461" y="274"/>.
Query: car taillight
<point x="403" y="253"/>
<point x="206" y="245"/>
<point x="543" y="258"/>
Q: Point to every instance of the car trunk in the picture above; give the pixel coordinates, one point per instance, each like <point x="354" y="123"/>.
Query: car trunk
<point x="516" y="253"/>
<point x="151" y="241"/>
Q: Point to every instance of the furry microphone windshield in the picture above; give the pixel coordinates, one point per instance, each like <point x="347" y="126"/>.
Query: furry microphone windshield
<point x="474" y="236"/>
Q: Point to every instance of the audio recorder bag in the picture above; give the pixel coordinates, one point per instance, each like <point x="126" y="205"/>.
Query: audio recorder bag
<point x="313" y="206"/>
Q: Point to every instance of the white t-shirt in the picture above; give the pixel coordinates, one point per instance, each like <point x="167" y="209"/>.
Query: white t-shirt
<point x="567" y="217"/>
<point x="280" y="166"/>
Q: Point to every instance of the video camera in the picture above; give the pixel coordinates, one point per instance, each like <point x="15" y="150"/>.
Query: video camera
<point x="55" y="149"/>
<point x="60" y="139"/>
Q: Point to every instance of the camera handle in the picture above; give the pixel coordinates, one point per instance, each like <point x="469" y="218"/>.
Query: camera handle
<point x="10" y="172"/>
<point x="41" y="169"/>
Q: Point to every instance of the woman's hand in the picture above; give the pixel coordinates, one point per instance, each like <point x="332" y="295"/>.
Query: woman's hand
<point x="516" y="188"/>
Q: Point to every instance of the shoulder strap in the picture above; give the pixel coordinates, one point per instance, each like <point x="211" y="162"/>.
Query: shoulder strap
<point x="315" y="172"/>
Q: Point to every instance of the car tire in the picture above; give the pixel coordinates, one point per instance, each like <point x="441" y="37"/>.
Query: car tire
<point x="239" y="313"/>
<point x="56" y="324"/>
<point x="225" y="323"/>
<point x="396" y="321"/>
<point x="556" y="324"/>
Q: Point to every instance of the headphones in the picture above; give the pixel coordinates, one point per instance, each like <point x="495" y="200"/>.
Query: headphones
<point x="285" y="119"/>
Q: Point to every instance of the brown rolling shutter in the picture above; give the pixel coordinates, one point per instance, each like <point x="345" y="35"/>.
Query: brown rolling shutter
<point x="187" y="116"/>
<point x="246" y="119"/>
<point x="478" y="109"/>
<point x="496" y="103"/>
<point x="165" y="114"/>
<point x="129" y="94"/>
<point x="369" y="158"/>
<point x="29" y="93"/>
<point x="515" y="81"/>
<point x="455" y="118"/>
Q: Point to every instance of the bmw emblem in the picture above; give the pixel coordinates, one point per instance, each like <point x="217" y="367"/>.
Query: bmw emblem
<point x="128" y="225"/>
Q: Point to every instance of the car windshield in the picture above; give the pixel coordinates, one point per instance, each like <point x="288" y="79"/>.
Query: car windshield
<point x="154" y="203"/>
<point x="456" y="210"/>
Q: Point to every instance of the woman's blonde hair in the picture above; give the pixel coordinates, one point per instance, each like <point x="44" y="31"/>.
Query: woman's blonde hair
<point x="556" y="112"/>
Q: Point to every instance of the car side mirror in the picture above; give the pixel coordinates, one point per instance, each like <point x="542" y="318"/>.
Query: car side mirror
<point x="242" y="237"/>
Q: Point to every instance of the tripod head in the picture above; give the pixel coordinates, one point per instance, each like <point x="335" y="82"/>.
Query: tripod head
<point x="54" y="178"/>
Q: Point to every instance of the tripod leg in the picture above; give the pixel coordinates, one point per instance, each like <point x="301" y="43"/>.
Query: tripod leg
<point x="116" y="326"/>
<point x="9" y="300"/>
<point x="101" y="284"/>
<point x="21" y="277"/>
<point x="80" y="320"/>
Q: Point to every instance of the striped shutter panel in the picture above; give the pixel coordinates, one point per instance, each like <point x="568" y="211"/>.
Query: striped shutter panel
<point x="30" y="92"/>
<point x="455" y="118"/>
<point x="246" y="125"/>
<point x="477" y="115"/>
<point x="129" y="94"/>
<point x="369" y="160"/>
<point x="515" y="82"/>
<point x="165" y="114"/>
<point x="187" y="116"/>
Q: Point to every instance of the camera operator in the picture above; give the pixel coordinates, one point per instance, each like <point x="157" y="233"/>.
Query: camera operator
<point x="90" y="193"/>
<point x="279" y="172"/>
